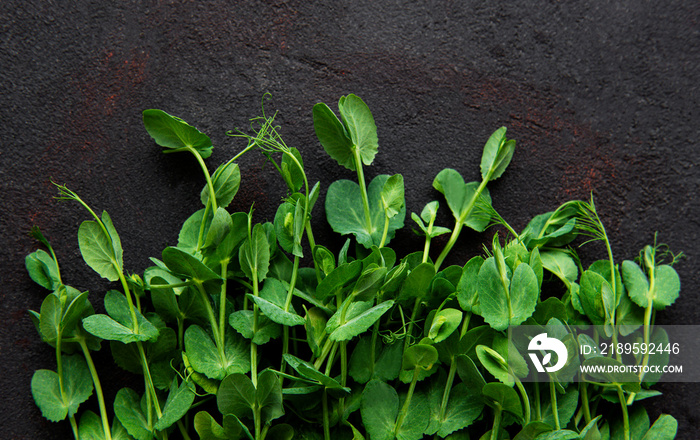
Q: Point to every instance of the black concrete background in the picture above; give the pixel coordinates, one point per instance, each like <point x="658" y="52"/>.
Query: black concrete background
<point x="601" y="96"/>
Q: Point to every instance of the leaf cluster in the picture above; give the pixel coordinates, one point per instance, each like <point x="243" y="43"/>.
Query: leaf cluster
<point x="236" y="338"/>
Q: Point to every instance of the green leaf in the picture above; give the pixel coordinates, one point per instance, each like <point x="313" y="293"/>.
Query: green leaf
<point x="206" y="359"/>
<point x="560" y="264"/>
<point x="187" y="265"/>
<point x="77" y="388"/>
<point x="119" y="325"/>
<point x="333" y="136"/>
<point x="532" y="430"/>
<point x="345" y="211"/>
<point x="236" y="395"/>
<point x="591" y="295"/>
<point x="369" y="283"/>
<point x="324" y="259"/>
<point x="209" y="429"/>
<point x="359" y="124"/>
<point x="284" y="226"/>
<point x="500" y="307"/>
<point x="360" y="323"/>
<point x="340" y="277"/>
<point x="468" y="284"/>
<point x="292" y="172"/>
<point x="497" y="154"/>
<point x="43" y="269"/>
<point x="272" y="303"/>
<point x="504" y="396"/>
<point x="444" y="323"/>
<point x="462" y="199"/>
<point x="254" y="255"/>
<point x="664" y="428"/>
<point x="308" y="371"/>
<point x="127" y="408"/>
<point x="463" y="408"/>
<point x="179" y="401"/>
<point x="173" y="133"/>
<point x="566" y="407"/>
<point x="226" y="181"/>
<point x="242" y="322"/>
<point x="417" y="283"/>
<point x="666" y="285"/>
<point x="419" y="356"/>
<point x="99" y="250"/>
<point x="386" y="365"/>
<point x="268" y="396"/>
<point x="392" y="195"/>
<point x="219" y="228"/>
<point x="379" y="408"/>
<point x="90" y="428"/>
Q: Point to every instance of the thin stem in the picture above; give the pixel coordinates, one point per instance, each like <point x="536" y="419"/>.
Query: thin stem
<point x="386" y="231"/>
<point x="207" y="176"/>
<point x="407" y="402"/>
<point x="526" y="399"/>
<point x="363" y="190"/>
<point x="183" y="430"/>
<point x="74" y="427"/>
<point x="584" y="403"/>
<point x="98" y="389"/>
<point x="149" y="380"/>
<point x="460" y="223"/>
<point x="414" y="314"/>
<point x="555" y="409"/>
<point x="326" y="421"/>
<point x="222" y="299"/>
<point x="312" y="244"/>
<point x="625" y="415"/>
<point x="497" y="422"/>
<point x="254" y="346"/>
<point x="212" y="318"/>
<point x="538" y="408"/>
<point x="448" y="388"/>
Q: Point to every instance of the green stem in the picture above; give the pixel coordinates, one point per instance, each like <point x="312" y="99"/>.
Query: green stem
<point x="497" y="422"/>
<point x="98" y="389"/>
<point x="448" y="388"/>
<point x="207" y="176"/>
<point x="555" y="408"/>
<point x="212" y="319"/>
<point x="254" y="346"/>
<point x="150" y="389"/>
<point x="326" y="421"/>
<point x="538" y="408"/>
<point x="625" y="415"/>
<point x="183" y="430"/>
<point x="74" y="427"/>
<point x="414" y="314"/>
<point x="407" y="402"/>
<point x="526" y="399"/>
<point x="363" y="190"/>
<point x="312" y="244"/>
<point x="460" y="223"/>
<point x="222" y="299"/>
<point x="584" y="403"/>
<point x="385" y="233"/>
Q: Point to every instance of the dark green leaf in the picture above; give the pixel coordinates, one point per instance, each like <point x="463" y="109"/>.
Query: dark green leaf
<point x="360" y="323"/>
<point x="236" y="395"/>
<point x="497" y="154"/>
<point x="127" y="408"/>
<point x="664" y="428"/>
<point x="42" y="268"/>
<point x="77" y="388"/>
<point x="345" y="211"/>
<point x="187" y="265"/>
<point x="174" y="133"/>
<point x="206" y="359"/>
<point x="225" y="180"/>
<point x="504" y="396"/>
<point x="379" y="408"/>
<point x="333" y="136"/>
<point x="179" y="401"/>
<point x="242" y="322"/>
<point x="392" y="195"/>
<point x="254" y="255"/>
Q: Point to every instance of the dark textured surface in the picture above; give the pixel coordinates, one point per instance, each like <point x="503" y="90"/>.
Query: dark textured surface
<point x="601" y="96"/>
